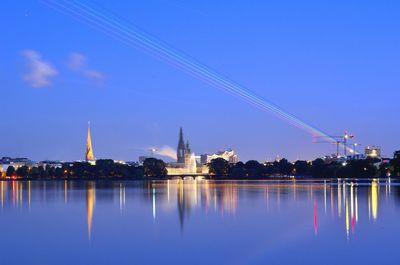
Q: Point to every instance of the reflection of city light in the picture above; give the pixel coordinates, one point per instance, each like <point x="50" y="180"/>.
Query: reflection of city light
<point x="339" y="199"/>
<point x="347" y="219"/>
<point x="121" y="196"/>
<point x="29" y="194"/>
<point x="2" y="194"/>
<point x="168" y="190"/>
<point x="356" y="205"/>
<point x="325" y="194"/>
<point x="195" y="197"/>
<point x="20" y="194"/>
<point x="332" y="201"/>
<point x="374" y="200"/>
<point x="65" y="191"/>
<point x="154" y="204"/>
<point x="352" y="206"/>
<point x="315" y="218"/>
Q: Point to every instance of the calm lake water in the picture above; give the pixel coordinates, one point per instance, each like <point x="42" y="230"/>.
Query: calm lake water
<point x="200" y="222"/>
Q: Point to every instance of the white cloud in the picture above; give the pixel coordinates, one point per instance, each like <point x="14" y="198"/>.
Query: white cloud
<point x="39" y="72"/>
<point x="166" y="151"/>
<point x="78" y="62"/>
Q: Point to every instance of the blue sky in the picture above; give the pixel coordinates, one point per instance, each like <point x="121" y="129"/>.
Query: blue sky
<point x="334" y="64"/>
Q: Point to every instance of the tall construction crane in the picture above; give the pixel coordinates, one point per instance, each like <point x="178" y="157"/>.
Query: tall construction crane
<point x="339" y="139"/>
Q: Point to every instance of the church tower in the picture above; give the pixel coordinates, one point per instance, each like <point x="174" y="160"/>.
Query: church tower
<point x="188" y="154"/>
<point x="180" y="154"/>
<point x="89" y="150"/>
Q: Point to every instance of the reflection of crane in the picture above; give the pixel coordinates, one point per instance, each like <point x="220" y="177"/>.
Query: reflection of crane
<point x="342" y="139"/>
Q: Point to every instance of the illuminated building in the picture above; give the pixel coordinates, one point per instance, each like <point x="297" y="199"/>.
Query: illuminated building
<point x="373" y="152"/>
<point x="228" y="155"/>
<point x="50" y="164"/>
<point x="89" y="157"/>
<point x="186" y="160"/>
<point x="18" y="162"/>
<point x="181" y="150"/>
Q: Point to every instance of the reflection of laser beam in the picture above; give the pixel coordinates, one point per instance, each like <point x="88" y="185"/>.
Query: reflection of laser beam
<point x="110" y="24"/>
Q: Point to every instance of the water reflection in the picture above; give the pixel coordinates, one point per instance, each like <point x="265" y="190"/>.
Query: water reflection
<point x="90" y="201"/>
<point x="338" y="200"/>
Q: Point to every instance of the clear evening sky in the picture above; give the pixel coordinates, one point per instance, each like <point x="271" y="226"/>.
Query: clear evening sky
<point x="334" y="64"/>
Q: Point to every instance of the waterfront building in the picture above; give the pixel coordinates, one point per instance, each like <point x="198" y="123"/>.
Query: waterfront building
<point x="373" y="152"/>
<point x="186" y="160"/>
<point x="229" y="155"/>
<point x="50" y="164"/>
<point x="17" y="162"/>
<point x="181" y="150"/>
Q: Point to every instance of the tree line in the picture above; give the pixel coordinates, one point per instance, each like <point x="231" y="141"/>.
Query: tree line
<point x="218" y="168"/>
<point x="362" y="168"/>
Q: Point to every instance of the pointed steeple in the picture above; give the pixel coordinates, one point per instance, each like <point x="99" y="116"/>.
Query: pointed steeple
<point x="180" y="153"/>
<point x="89" y="150"/>
<point x="187" y="147"/>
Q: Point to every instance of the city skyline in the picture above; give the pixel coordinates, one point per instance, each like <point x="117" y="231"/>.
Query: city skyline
<point x="135" y="101"/>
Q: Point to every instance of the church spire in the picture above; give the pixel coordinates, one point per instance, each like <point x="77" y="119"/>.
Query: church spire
<point x="181" y="148"/>
<point x="89" y="150"/>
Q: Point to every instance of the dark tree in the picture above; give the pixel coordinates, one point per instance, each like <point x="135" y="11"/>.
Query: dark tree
<point x="301" y="168"/>
<point x="23" y="172"/>
<point x="254" y="169"/>
<point x="238" y="171"/>
<point x="285" y="167"/>
<point x="395" y="164"/>
<point x="318" y="168"/>
<point x="154" y="167"/>
<point x="10" y="171"/>
<point x="218" y="167"/>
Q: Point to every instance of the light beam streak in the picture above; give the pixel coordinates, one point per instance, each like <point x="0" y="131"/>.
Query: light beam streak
<point x="114" y="26"/>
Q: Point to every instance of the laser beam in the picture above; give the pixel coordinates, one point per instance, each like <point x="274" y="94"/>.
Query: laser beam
<point x="114" y="26"/>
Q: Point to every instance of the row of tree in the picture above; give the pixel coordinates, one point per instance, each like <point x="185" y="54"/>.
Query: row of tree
<point x="364" y="168"/>
<point x="104" y="168"/>
<point x="218" y="168"/>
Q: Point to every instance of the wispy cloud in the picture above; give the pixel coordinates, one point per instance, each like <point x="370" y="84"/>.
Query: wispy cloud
<point x="165" y="151"/>
<point x="39" y="72"/>
<point x="78" y="63"/>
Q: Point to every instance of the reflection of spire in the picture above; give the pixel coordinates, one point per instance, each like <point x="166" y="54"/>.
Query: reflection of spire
<point x="90" y="202"/>
<point x="89" y="150"/>
<point x="181" y="204"/>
